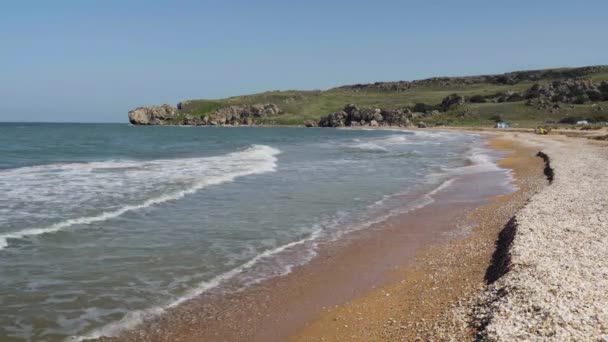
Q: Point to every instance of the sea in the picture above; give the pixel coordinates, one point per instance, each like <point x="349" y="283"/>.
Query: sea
<point x="103" y="226"/>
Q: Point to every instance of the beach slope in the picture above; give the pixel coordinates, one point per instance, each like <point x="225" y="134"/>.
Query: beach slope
<point x="536" y="267"/>
<point x="556" y="284"/>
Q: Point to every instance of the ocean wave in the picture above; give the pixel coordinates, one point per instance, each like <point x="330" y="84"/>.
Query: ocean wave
<point x="78" y="182"/>
<point x="480" y="160"/>
<point x="135" y="318"/>
<point x="366" y="147"/>
<point x="327" y="230"/>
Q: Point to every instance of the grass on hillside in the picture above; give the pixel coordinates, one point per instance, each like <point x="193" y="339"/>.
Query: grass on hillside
<point x="299" y="106"/>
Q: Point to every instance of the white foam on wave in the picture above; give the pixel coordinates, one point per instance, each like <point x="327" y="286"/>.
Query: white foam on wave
<point x="135" y="318"/>
<point x="211" y="170"/>
<point x="379" y="145"/>
<point x="481" y="161"/>
<point x="447" y="183"/>
<point x="396" y="139"/>
<point x="420" y="202"/>
<point x="367" y="147"/>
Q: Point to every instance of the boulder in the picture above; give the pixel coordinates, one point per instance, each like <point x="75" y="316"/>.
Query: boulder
<point x="416" y="115"/>
<point x="353" y="116"/>
<point x="421" y="124"/>
<point x="337" y="119"/>
<point x="452" y="101"/>
<point x="190" y="119"/>
<point x="309" y="123"/>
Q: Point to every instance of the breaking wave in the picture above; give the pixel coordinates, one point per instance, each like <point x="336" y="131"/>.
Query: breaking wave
<point x="64" y="187"/>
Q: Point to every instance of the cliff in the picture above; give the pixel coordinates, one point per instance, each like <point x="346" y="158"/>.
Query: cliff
<point x="231" y="115"/>
<point x="522" y="98"/>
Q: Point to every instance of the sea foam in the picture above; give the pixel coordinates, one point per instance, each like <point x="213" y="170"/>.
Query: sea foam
<point x="79" y="182"/>
<point x="135" y="318"/>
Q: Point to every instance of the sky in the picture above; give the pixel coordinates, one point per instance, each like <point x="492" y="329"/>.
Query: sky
<point x="93" y="61"/>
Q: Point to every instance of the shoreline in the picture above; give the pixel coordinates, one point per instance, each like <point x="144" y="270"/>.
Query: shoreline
<point x="279" y="307"/>
<point x="442" y="276"/>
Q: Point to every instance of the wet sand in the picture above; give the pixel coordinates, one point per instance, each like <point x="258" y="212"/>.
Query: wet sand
<point x="392" y="281"/>
<point x="417" y="307"/>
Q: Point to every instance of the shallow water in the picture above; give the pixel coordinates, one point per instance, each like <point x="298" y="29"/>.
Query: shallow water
<point x="102" y="225"/>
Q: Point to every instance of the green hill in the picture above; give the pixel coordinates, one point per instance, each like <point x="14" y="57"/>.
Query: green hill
<point x="483" y="99"/>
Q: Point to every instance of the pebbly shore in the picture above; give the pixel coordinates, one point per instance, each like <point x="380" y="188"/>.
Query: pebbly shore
<point x="555" y="285"/>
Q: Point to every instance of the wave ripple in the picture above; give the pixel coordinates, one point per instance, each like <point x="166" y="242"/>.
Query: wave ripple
<point x="51" y="192"/>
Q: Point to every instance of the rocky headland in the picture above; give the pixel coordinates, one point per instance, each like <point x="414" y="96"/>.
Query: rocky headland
<point x="227" y="116"/>
<point x="521" y="98"/>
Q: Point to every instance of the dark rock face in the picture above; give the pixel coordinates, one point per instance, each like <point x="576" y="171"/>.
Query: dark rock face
<point x="230" y="115"/>
<point x="352" y="116"/>
<point x="452" y="101"/>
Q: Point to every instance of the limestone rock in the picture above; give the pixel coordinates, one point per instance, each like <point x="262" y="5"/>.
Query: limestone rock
<point x="352" y="116"/>
<point x="310" y="123"/>
<point x="152" y="115"/>
<point x="230" y="115"/>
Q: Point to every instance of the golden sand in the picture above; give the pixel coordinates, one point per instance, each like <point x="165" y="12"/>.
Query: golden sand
<point x="417" y="305"/>
<point x="394" y="281"/>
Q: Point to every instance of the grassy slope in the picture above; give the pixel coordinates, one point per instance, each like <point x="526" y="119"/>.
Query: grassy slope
<point x="310" y="105"/>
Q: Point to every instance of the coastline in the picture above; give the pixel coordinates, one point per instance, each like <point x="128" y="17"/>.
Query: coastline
<point x="278" y="308"/>
<point x="419" y="303"/>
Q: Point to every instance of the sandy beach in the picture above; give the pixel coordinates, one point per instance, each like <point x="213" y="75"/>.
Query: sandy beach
<point x="528" y="265"/>
<point x="420" y="306"/>
<point x="411" y="276"/>
<point x="545" y="280"/>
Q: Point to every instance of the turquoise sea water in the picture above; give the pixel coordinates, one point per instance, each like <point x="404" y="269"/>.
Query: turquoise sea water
<point x="102" y="225"/>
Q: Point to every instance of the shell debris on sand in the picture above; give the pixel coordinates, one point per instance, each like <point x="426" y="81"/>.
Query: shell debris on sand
<point x="557" y="285"/>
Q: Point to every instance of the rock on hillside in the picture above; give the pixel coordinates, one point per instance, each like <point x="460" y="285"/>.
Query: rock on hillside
<point x="229" y="115"/>
<point x="507" y="78"/>
<point x="570" y="91"/>
<point x="353" y="116"/>
<point x="452" y="101"/>
<point x="575" y="91"/>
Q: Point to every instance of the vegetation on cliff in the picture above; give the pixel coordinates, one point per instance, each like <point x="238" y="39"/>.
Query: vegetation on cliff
<point x="524" y="98"/>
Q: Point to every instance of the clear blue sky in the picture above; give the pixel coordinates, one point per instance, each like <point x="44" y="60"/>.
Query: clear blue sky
<point x="92" y="61"/>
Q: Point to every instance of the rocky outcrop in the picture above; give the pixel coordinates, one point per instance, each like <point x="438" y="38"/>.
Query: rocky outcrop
<point x="230" y="115"/>
<point x="452" y="101"/>
<point x="507" y="78"/>
<point x="547" y="96"/>
<point x="352" y="116"/>
<point x="239" y="115"/>
<point x="569" y="91"/>
<point x="310" y="123"/>
<point x="152" y="115"/>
